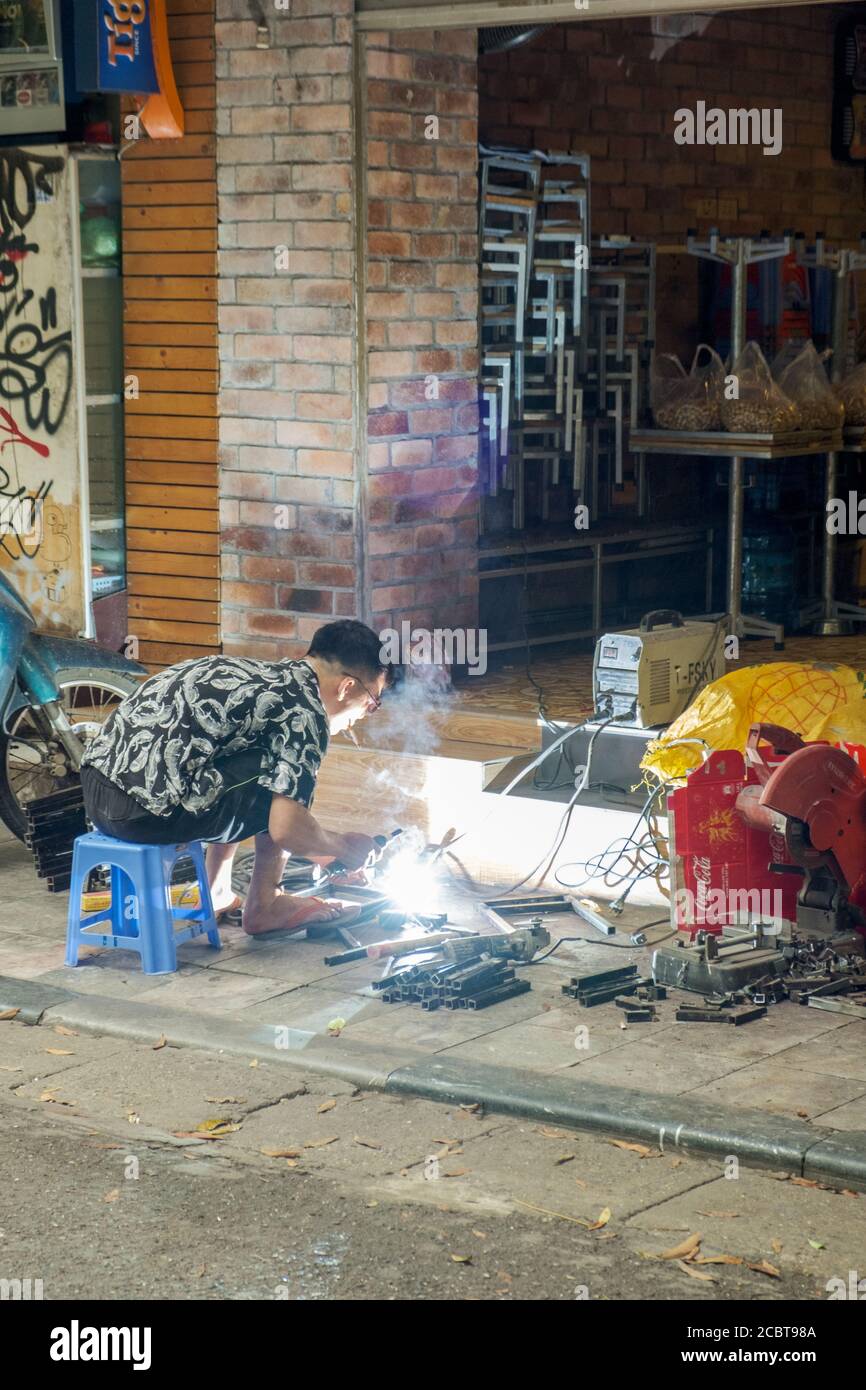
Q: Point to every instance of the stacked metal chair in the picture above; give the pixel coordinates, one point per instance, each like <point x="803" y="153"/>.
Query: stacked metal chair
<point x="566" y="334"/>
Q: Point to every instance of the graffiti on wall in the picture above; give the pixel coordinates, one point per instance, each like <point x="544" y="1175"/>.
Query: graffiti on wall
<point x="39" y="485"/>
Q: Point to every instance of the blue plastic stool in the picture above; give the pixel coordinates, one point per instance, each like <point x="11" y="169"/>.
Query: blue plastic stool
<point x="141" y="915"/>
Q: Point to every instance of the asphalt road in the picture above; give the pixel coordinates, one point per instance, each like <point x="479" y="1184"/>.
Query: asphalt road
<point x="380" y="1197"/>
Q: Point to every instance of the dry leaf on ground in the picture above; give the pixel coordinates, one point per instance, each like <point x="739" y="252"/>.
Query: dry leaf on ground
<point x="225" y="1100"/>
<point x="643" y="1149"/>
<point x="281" y="1153"/>
<point x="160" y="1042"/>
<point x="59" y="1052"/>
<point x="50" y="1097"/>
<point x="566" y="1158"/>
<point x="765" y="1268"/>
<point x="730" y="1215"/>
<point x="322" y="1143"/>
<point x="65" y="1032"/>
<point x="366" y="1143"/>
<point x="777" y="1247"/>
<point x="456" y="1172"/>
<point x="462" y="1259"/>
<point x="112" y="1196"/>
<point x="9" y="1013"/>
<point x="603" y="1218"/>
<point x="696" y="1274"/>
<point x="325" y="1106"/>
<point x="685" y="1250"/>
<point x="718" y="1260"/>
<point x="216" y="1128"/>
<point x="545" y="1211"/>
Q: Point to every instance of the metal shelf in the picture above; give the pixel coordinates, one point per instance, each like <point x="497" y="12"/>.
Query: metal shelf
<point x="598" y="552"/>
<point x="719" y="444"/>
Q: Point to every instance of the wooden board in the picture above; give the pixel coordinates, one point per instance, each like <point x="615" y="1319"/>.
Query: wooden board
<point x="171" y="345"/>
<point x="185" y="474"/>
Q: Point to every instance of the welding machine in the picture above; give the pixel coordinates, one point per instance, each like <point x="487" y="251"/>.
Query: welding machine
<point x="646" y="676"/>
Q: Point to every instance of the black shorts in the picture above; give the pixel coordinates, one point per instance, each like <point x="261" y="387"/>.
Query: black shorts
<point x="242" y="810"/>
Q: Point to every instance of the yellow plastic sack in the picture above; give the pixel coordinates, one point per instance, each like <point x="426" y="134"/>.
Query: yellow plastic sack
<point x="816" y="701"/>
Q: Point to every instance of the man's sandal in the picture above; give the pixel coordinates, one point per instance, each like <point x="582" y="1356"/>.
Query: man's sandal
<point x="313" y="912"/>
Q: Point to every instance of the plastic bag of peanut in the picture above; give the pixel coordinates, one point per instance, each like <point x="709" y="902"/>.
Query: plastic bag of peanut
<point x="760" y="406"/>
<point x="687" y="400"/>
<point x="852" y="394"/>
<point x="799" y="371"/>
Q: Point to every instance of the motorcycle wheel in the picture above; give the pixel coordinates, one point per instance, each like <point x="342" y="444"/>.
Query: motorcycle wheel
<point x="32" y="765"/>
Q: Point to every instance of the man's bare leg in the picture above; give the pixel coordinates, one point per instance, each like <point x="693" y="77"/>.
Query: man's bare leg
<point x="267" y="907"/>
<point x="218" y="862"/>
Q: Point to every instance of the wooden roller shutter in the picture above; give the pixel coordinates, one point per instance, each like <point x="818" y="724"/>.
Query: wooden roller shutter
<point x="170" y="346"/>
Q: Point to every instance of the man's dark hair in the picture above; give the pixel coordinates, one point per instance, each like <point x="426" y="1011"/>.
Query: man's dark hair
<point x="351" y="645"/>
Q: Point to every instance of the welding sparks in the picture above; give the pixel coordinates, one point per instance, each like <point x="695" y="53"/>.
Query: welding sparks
<point x="408" y="876"/>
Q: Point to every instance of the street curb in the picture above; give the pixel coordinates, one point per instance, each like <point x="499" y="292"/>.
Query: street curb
<point x="666" y="1122"/>
<point x="30" y="998"/>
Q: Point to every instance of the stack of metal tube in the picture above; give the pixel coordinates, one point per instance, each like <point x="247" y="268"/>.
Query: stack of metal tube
<point x="471" y="983"/>
<point x="53" y="824"/>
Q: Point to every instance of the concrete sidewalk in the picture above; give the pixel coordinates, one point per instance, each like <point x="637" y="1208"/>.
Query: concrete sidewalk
<point x="787" y="1091"/>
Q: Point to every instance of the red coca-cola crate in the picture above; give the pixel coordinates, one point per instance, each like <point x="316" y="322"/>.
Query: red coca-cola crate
<point x="720" y="867"/>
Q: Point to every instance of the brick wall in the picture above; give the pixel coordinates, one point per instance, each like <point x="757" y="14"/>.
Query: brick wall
<point x="597" y="87"/>
<point x="287" y="330"/>
<point x="421" y="306"/>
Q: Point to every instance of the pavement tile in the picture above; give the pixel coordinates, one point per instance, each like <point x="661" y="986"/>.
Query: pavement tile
<point x="28" y="958"/>
<point x="851" y="1116"/>
<point x="525" y="1046"/>
<point x="428" y="1032"/>
<point x="783" y="1211"/>
<point x="404" y="1132"/>
<point x="211" y="991"/>
<point x="314" y="1010"/>
<point x="573" y="1174"/>
<point x="293" y="962"/>
<point x="839" y="1052"/>
<point x="118" y="980"/>
<point x="646" y="1066"/>
<point x="777" y="1086"/>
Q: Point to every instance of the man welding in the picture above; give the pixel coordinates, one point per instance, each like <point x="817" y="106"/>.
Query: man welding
<point x="220" y="748"/>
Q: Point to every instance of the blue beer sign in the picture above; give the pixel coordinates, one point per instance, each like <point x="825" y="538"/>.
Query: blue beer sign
<point x="115" y="46"/>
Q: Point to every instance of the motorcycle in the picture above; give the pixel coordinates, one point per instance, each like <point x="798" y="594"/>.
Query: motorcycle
<point x="55" y="693"/>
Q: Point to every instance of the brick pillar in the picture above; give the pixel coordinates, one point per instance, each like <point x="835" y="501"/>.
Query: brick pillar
<point x="289" y="486"/>
<point x="421" y="306"/>
<point x="328" y="510"/>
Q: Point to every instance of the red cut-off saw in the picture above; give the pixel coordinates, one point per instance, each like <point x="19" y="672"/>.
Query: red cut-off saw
<point x="816" y="800"/>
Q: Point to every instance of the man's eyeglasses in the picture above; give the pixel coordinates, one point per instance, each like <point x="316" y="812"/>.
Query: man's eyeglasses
<point x="374" y="699"/>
